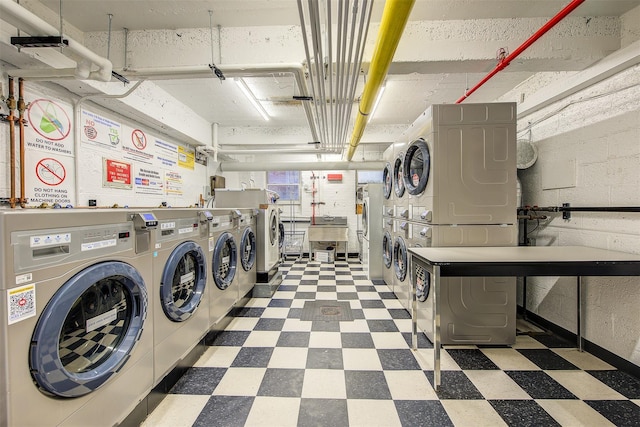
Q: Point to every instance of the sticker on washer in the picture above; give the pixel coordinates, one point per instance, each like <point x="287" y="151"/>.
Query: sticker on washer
<point x="21" y="303"/>
<point x="185" y="230"/>
<point x="186" y="278"/>
<point x="225" y="260"/>
<point x="101" y="320"/>
<point x="166" y="225"/>
<point x="97" y="245"/>
<point x="49" y="239"/>
<point x="24" y="278"/>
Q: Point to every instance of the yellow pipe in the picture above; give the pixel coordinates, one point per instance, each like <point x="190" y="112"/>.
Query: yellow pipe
<point x="394" y="19"/>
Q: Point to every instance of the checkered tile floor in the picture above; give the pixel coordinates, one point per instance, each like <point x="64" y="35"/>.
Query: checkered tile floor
<point x="269" y="368"/>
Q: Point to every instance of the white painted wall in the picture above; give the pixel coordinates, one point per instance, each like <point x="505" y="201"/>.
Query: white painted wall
<point x="598" y="130"/>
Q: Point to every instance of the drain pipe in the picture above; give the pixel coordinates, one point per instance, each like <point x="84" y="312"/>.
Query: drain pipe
<point x="25" y="20"/>
<point x="11" y="118"/>
<point x="22" y="106"/>
<point x="504" y="63"/>
<point x="394" y="19"/>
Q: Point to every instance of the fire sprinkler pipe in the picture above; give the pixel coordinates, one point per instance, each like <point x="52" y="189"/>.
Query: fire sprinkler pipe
<point x="394" y="19"/>
<point x="504" y="63"/>
<point x="22" y="106"/>
<point x="11" y="104"/>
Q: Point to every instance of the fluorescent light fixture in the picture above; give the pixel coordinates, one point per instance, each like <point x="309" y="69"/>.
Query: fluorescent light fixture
<point x="375" y="104"/>
<point x="252" y="98"/>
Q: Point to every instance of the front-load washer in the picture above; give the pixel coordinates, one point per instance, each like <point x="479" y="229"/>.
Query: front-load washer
<point x="181" y="310"/>
<point x="401" y="202"/>
<point x="401" y="281"/>
<point x="247" y="251"/>
<point x="473" y="310"/>
<point x="461" y="169"/>
<point x="75" y="316"/>
<point x="268" y="240"/>
<point x="223" y="252"/>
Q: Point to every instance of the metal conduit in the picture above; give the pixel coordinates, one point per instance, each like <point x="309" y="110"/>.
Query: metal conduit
<point x="394" y="19"/>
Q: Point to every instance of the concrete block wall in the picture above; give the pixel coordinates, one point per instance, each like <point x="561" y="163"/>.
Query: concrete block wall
<point x="591" y="142"/>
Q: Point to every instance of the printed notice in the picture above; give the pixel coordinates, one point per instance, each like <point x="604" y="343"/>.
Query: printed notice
<point x="173" y="183"/>
<point x="148" y="180"/>
<point x="135" y="145"/>
<point x="101" y="131"/>
<point x="21" y="303"/>
<point x="186" y="158"/>
<point x="102" y="320"/>
<point x="166" y="154"/>
<point x="49" y="126"/>
<point x="116" y="174"/>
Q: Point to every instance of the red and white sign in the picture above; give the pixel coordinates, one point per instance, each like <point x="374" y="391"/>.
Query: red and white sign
<point x="116" y="174"/>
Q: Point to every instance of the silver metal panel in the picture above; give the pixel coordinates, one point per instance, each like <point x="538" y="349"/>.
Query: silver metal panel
<point x="220" y="301"/>
<point x="372" y="235"/>
<point x="247" y="279"/>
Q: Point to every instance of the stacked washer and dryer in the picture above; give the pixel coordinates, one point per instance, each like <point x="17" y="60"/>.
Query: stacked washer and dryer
<point x="460" y="175"/>
<point x="388" y="210"/>
<point x="371" y="230"/>
<point x="76" y="315"/>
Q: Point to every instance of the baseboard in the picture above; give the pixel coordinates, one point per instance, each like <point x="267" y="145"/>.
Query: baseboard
<point x="602" y="353"/>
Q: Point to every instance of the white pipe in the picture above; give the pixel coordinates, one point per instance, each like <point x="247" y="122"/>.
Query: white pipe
<point x="274" y="151"/>
<point x="299" y="166"/>
<point x="214" y="141"/>
<point x="27" y="21"/>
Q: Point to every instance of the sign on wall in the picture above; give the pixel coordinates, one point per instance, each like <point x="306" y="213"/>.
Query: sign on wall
<point x="116" y="174"/>
<point x="49" y="126"/>
<point x="100" y="131"/>
<point x="49" y="178"/>
<point x="148" y="180"/>
<point x="186" y="158"/>
<point x="166" y="154"/>
<point x="173" y="183"/>
<point x="136" y="145"/>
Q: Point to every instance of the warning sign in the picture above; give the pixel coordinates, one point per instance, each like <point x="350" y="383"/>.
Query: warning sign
<point x="186" y="158"/>
<point x="135" y="146"/>
<point x="174" y="183"/>
<point x="21" y="303"/>
<point x="116" y="174"/>
<point x="51" y="178"/>
<point x="100" y="131"/>
<point x="49" y="126"/>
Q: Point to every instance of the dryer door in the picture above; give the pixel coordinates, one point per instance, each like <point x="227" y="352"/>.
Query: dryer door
<point x="248" y="249"/>
<point x="417" y="162"/>
<point x="280" y="236"/>
<point x="398" y="175"/>
<point x="273" y="227"/>
<point x="88" y="329"/>
<point x="365" y="218"/>
<point x="183" y="281"/>
<point x="423" y="283"/>
<point x="225" y="261"/>
<point x="387" y="249"/>
<point x="387" y="180"/>
<point x="400" y="258"/>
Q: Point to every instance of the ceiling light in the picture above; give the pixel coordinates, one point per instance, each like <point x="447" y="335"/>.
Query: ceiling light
<point x="378" y="98"/>
<point x="252" y="98"/>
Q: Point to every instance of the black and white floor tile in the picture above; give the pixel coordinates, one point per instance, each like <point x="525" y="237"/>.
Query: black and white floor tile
<point x="269" y="368"/>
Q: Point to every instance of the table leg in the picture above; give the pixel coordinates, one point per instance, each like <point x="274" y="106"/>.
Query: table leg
<point x="579" y="312"/>
<point x="435" y="282"/>
<point x="414" y="307"/>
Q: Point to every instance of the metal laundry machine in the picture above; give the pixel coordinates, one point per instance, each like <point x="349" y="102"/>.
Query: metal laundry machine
<point x="181" y="310"/>
<point x="223" y="252"/>
<point x="473" y="310"/>
<point x="247" y="251"/>
<point x="77" y="333"/>
<point x="400" y="264"/>
<point x="388" y="212"/>
<point x="372" y="231"/>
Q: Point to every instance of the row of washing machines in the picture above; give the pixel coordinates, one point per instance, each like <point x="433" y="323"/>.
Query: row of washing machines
<point x="452" y="182"/>
<point x="99" y="305"/>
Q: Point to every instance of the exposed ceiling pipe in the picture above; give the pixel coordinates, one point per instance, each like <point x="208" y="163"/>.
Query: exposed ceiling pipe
<point x="394" y="19"/>
<point x="504" y="63"/>
<point x="273" y="150"/>
<point x="25" y="20"/>
<point x="299" y="166"/>
<point x="233" y="70"/>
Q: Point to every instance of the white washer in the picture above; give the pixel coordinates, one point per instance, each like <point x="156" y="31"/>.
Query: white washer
<point x="400" y="264"/>
<point x="371" y="231"/>
<point x="461" y="166"/>
<point x="77" y="333"/>
<point x="180" y="269"/>
<point x="223" y="252"/>
<point x="268" y="240"/>
<point x="247" y="250"/>
<point x="473" y="310"/>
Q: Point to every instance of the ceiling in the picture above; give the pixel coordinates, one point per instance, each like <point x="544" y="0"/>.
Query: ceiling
<point x="415" y="81"/>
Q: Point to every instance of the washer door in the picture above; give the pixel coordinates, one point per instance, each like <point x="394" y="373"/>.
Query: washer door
<point x="183" y="281"/>
<point x="225" y="261"/>
<point x="387" y="249"/>
<point x="387" y="180"/>
<point x="423" y="283"/>
<point x="273" y="227"/>
<point x="365" y="218"/>
<point x="280" y="235"/>
<point x="400" y="258"/>
<point x="398" y="176"/>
<point x="417" y="162"/>
<point x="248" y="249"/>
<point x="88" y="329"/>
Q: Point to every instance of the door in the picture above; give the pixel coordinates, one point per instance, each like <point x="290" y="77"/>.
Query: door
<point x="248" y="249"/>
<point x="398" y="175"/>
<point x="88" y="329"/>
<point x="183" y="281"/>
<point x="417" y="163"/>
<point x="273" y="227"/>
<point x="387" y="180"/>
<point x="225" y="261"/>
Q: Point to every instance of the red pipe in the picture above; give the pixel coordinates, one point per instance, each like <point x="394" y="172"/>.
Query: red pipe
<point x="506" y="61"/>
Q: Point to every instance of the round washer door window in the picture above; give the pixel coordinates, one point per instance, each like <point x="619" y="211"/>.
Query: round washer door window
<point x="398" y="176"/>
<point x="423" y="283"/>
<point x="280" y="235"/>
<point x="400" y="258"/>
<point x="88" y="330"/>
<point x="365" y="218"/>
<point x="248" y="249"/>
<point x="387" y="179"/>
<point x="387" y="249"/>
<point x="417" y="162"/>
<point x="273" y="228"/>
<point x="183" y="281"/>
<point x="225" y="261"/>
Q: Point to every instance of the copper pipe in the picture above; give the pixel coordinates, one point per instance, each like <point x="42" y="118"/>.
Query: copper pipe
<point x="11" y="104"/>
<point x="22" y="106"/>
